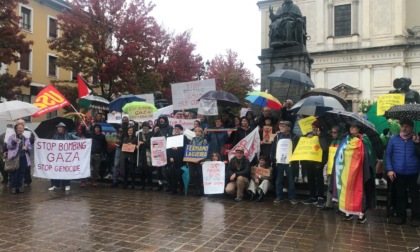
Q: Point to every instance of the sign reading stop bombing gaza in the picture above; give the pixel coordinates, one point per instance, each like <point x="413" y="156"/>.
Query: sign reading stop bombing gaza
<point x="195" y="153"/>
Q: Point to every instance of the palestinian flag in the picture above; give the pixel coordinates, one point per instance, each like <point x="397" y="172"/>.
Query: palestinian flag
<point x="348" y="179"/>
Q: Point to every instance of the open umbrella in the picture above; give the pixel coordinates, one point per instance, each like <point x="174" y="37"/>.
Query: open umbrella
<point x="118" y="103"/>
<point x="316" y="105"/>
<point x="139" y="111"/>
<point x="185" y="178"/>
<point x="47" y="128"/>
<point x="263" y="99"/>
<point x="291" y="77"/>
<point x="12" y="110"/>
<point x="380" y="122"/>
<point x="404" y="112"/>
<point x="93" y="101"/>
<point x="223" y="98"/>
<point x="338" y="117"/>
<point x="326" y="92"/>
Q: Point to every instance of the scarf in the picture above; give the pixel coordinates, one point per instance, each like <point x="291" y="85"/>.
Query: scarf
<point x="406" y="137"/>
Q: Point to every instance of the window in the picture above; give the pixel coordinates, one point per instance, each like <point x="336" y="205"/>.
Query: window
<point x="74" y="74"/>
<point x="26" y="21"/>
<point x="342" y="20"/>
<point x="51" y="114"/>
<point x="52" y="27"/>
<point x="25" y="61"/>
<point x="52" y="66"/>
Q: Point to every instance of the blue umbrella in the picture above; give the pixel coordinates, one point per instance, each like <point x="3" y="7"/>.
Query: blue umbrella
<point x="119" y="103"/>
<point x="185" y="178"/>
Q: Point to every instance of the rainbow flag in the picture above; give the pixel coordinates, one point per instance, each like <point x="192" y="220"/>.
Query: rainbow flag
<point x="348" y="179"/>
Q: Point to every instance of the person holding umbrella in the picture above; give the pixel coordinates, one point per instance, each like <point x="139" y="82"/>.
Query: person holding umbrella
<point x="18" y="145"/>
<point x="61" y="134"/>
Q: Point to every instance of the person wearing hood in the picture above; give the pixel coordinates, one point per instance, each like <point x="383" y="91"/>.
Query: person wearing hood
<point x="99" y="146"/>
<point x="243" y="131"/>
<point x="162" y="128"/>
<point x="145" y="159"/>
<point x="251" y="118"/>
<point x="175" y="158"/>
<point x="61" y="134"/>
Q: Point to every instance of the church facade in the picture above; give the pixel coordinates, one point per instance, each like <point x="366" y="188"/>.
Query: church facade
<point x="358" y="47"/>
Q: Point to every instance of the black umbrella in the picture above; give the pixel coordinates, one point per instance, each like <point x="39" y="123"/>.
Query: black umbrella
<point x="326" y="92"/>
<point x="338" y="117"/>
<point x="404" y="112"/>
<point x="316" y="105"/>
<point x="223" y="98"/>
<point x="47" y="128"/>
<point x="291" y="77"/>
<point x="118" y="103"/>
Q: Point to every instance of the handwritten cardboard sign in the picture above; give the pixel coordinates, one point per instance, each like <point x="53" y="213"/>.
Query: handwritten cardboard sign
<point x="386" y="101"/>
<point x="305" y="124"/>
<point x="185" y="95"/>
<point x="127" y="147"/>
<point x="158" y="151"/>
<point x="213" y="177"/>
<point x="195" y="153"/>
<point x="260" y="171"/>
<point x="308" y="148"/>
<point x="62" y="159"/>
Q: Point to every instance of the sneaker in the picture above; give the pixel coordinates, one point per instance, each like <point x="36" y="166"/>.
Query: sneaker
<point x="309" y="201"/>
<point x="109" y="176"/>
<point x="82" y="184"/>
<point x="293" y="201"/>
<point x="320" y="203"/>
<point x="67" y="188"/>
<point x="361" y="219"/>
<point x="348" y="217"/>
<point x="238" y="199"/>
<point x="377" y="182"/>
<point x="285" y="190"/>
<point x="383" y="182"/>
<point x="52" y="188"/>
<point x="305" y="179"/>
<point x="94" y="184"/>
<point x="278" y="201"/>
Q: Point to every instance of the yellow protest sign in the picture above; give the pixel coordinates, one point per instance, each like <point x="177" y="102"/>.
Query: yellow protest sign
<point x="386" y="101"/>
<point x="331" y="154"/>
<point x="308" y="149"/>
<point x="305" y="124"/>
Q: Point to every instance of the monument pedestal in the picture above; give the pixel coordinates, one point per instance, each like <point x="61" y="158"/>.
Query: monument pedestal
<point x="294" y="57"/>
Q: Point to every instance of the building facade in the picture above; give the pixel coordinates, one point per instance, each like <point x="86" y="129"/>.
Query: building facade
<point x="39" y="23"/>
<point x="358" y="46"/>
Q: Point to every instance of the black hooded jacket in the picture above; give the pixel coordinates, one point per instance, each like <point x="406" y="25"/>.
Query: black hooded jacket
<point x="99" y="144"/>
<point x="164" y="129"/>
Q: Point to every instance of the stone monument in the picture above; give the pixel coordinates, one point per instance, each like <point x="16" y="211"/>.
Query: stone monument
<point x="287" y="38"/>
<point x="402" y="86"/>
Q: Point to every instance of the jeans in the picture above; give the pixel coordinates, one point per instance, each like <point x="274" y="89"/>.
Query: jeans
<point x="115" y="171"/>
<point x="280" y="169"/>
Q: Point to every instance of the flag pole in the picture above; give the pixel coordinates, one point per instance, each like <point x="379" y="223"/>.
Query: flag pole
<point x="79" y="115"/>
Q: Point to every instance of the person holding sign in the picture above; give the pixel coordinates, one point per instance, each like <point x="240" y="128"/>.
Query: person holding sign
<point x="260" y="182"/>
<point x="18" y="146"/>
<point x="175" y="157"/>
<point x="61" y="134"/>
<point x="196" y="172"/>
<point x="217" y="139"/>
<point x="129" y="155"/>
<point x="281" y="152"/>
<point x="238" y="173"/>
<point x="315" y="169"/>
<point x="162" y="129"/>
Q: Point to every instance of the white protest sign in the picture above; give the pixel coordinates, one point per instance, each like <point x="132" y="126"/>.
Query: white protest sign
<point x="284" y="151"/>
<point x="243" y="112"/>
<point x="213" y="177"/>
<point x="189" y="133"/>
<point x="158" y="151"/>
<point x="116" y="118"/>
<point x="175" y="141"/>
<point x="150" y="98"/>
<point x="62" y="159"/>
<point x="168" y="110"/>
<point x="185" y="123"/>
<point x="208" y="107"/>
<point x="185" y="95"/>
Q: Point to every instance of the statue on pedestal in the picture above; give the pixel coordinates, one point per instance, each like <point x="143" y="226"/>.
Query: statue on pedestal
<point x="287" y="26"/>
<point x="402" y="85"/>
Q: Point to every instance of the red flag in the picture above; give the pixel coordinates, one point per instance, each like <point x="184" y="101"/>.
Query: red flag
<point x="83" y="87"/>
<point x="48" y="100"/>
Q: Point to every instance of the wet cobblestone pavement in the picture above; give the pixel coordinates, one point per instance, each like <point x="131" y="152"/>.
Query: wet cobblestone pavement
<point x="105" y="219"/>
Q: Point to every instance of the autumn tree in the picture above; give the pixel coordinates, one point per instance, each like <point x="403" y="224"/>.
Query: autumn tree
<point x="102" y="39"/>
<point x="230" y="74"/>
<point x="12" y="43"/>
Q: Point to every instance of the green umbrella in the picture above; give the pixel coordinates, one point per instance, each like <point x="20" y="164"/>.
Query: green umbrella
<point x="380" y="122"/>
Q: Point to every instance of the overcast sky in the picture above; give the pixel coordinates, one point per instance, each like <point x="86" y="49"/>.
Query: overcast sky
<point x="217" y="25"/>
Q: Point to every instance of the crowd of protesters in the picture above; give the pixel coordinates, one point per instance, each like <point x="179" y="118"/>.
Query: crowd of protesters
<point x="133" y="170"/>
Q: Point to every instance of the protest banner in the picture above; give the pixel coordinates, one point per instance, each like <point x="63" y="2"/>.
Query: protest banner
<point x="185" y="123"/>
<point x="309" y="149"/>
<point x="284" y="151"/>
<point x="116" y="118"/>
<point x="168" y="110"/>
<point x="175" y="141"/>
<point x="251" y="144"/>
<point x="208" y="107"/>
<point x="140" y="113"/>
<point x="305" y="124"/>
<point x="268" y="135"/>
<point x="185" y="95"/>
<point x="195" y="153"/>
<point x="213" y="177"/>
<point x="260" y="171"/>
<point x="62" y="159"/>
<point x="386" y="101"/>
<point x="158" y="151"/>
